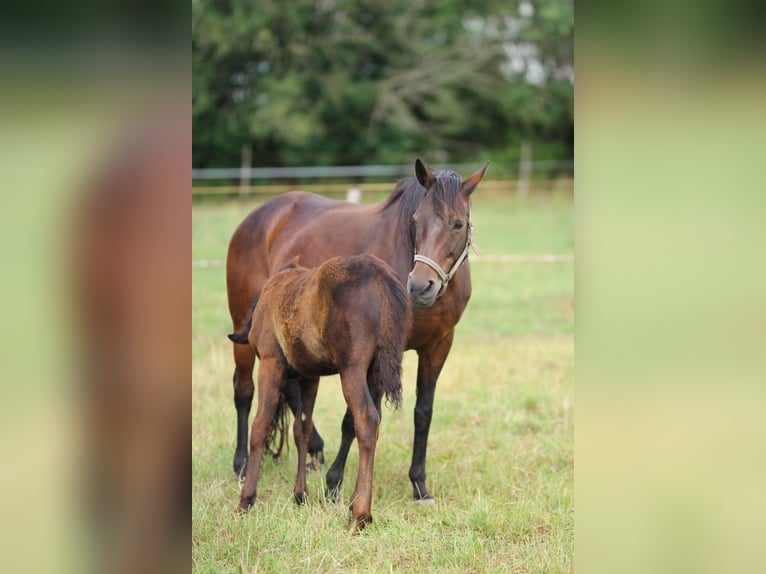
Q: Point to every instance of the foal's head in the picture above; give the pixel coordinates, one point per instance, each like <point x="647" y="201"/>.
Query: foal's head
<point x="441" y="228"/>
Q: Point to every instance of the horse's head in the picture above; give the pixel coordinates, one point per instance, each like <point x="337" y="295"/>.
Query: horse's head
<point x="441" y="230"/>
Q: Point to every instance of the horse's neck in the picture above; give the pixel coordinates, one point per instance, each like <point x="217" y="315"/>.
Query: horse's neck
<point x="391" y="233"/>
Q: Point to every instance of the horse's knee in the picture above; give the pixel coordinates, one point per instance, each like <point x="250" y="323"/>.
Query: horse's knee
<point x="244" y="389"/>
<point x="423" y="419"/>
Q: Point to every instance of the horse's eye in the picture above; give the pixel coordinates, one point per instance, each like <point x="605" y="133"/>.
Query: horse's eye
<point x="457" y="225"/>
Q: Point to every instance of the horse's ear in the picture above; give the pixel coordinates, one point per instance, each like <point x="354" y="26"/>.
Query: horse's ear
<point x="424" y="175"/>
<point x="470" y="184"/>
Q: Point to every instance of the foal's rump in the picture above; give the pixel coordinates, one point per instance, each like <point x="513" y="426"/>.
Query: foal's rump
<point x="371" y="288"/>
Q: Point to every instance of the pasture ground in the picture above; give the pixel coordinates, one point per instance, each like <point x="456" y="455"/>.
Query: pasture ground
<point x="500" y="453"/>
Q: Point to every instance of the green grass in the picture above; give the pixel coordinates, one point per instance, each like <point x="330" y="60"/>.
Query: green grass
<point x="500" y="458"/>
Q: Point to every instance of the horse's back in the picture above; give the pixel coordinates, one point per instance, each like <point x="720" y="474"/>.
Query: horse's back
<point x="250" y="260"/>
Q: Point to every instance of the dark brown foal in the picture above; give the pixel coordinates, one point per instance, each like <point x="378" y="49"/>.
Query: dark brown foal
<point x="349" y="316"/>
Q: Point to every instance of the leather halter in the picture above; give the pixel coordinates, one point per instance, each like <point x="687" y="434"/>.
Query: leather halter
<point x="447" y="276"/>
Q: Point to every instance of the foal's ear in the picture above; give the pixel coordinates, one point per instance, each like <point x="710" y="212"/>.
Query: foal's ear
<point x="470" y="184"/>
<point x="292" y="264"/>
<point x="424" y="175"/>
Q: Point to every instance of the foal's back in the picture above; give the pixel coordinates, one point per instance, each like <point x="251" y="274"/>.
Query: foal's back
<point x="334" y="316"/>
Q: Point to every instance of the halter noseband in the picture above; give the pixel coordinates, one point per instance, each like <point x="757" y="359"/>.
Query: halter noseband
<point x="446" y="277"/>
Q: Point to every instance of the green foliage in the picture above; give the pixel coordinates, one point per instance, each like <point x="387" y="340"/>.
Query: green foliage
<point x="373" y="81"/>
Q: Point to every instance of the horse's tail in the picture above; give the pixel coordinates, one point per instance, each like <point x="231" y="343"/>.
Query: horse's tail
<point x="276" y="439"/>
<point x="395" y="327"/>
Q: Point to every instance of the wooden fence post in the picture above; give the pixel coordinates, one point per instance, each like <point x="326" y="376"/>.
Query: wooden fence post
<point x="525" y="169"/>
<point x="244" y="170"/>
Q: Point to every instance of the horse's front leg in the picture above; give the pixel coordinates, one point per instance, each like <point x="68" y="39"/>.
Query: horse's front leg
<point x="302" y="432"/>
<point x="430" y="362"/>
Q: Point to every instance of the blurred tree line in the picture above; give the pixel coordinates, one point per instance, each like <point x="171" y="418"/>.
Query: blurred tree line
<point x="323" y="82"/>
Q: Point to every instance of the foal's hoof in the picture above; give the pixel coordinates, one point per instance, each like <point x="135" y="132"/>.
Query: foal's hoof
<point x="245" y="504"/>
<point x="300" y="498"/>
<point x="425" y="501"/>
<point x="358" y="523"/>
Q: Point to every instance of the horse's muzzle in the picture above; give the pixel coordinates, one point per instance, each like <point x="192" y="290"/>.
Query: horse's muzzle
<point x="423" y="293"/>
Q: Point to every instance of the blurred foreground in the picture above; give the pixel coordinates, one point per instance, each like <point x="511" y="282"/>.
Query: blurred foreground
<point x="94" y="239"/>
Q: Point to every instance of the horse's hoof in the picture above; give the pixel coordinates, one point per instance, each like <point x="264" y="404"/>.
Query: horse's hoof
<point x="300" y="498"/>
<point x="240" y="464"/>
<point x="425" y="501"/>
<point x="332" y="494"/>
<point x="316" y="463"/>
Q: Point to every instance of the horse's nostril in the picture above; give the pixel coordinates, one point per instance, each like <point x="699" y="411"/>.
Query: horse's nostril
<point x="429" y="285"/>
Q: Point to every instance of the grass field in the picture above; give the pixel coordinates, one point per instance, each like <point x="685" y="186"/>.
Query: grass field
<point x="500" y="452"/>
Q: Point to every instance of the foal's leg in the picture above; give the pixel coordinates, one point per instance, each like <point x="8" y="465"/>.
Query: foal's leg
<point x="271" y="375"/>
<point x="430" y="363"/>
<point x="335" y="474"/>
<point x="302" y="432"/>
<point x="366" y="425"/>
<point x="244" y="358"/>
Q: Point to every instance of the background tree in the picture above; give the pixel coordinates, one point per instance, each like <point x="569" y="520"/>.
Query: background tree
<point x="377" y="81"/>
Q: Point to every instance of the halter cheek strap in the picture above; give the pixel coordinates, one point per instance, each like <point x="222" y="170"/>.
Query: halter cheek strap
<point x="446" y="277"/>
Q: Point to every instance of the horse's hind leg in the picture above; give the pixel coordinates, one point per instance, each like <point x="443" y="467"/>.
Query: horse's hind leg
<point x="335" y="474"/>
<point x="302" y="433"/>
<point x="292" y="394"/>
<point x="270" y="381"/>
<point x="244" y="358"/>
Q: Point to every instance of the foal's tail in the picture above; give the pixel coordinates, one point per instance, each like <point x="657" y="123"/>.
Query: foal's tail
<point x="395" y="327"/>
<point x="240" y="337"/>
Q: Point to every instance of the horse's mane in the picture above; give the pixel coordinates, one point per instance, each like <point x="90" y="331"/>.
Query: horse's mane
<point x="408" y="194"/>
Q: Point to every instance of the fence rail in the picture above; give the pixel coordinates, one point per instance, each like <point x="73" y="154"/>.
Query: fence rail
<point x="352" y="171"/>
<point x="353" y="180"/>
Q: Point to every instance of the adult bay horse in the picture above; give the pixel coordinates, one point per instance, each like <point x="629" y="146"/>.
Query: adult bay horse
<point x="348" y="316"/>
<point x="422" y="230"/>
